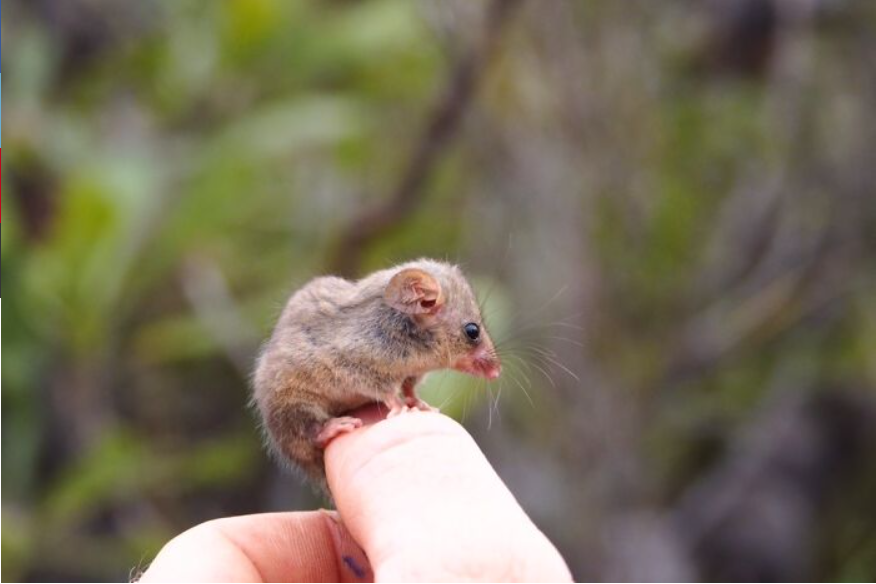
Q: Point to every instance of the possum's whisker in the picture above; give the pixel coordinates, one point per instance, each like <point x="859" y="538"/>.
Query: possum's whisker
<point x="564" y="368"/>
<point x="517" y="359"/>
<point x="482" y="303"/>
<point x="536" y="347"/>
<point x="498" y="396"/>
<point x="528" y="369"/>
<point x="576" y="327"/>
<point x="533" y="334"/>
<point x="534" y="352"/>
<point x="447" y="400"/>
<point x="527" y="348"/>
<point x="526" y="393"/>
<point x="499" y="388"/>
<point x="566" y="340"/>
<point x="440" y="387"/>
<point x="517" y="364"/>
<point x="562" y="322"/>
<point x="489" y="410"/>
<point x="523" y="372"/>
<point x="525" y="340"/>
<point x="543" y="371"/>
<point x="535" y="356"/>
<point x="488" y="312"/>
<point x="451" y="397"/>
<point x="511" y="347"/>
<point x="551" y="356"/>
<point x="553" y="299"/>
<point x="530" y="321"/>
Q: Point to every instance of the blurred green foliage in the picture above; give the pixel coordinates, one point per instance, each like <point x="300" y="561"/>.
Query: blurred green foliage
<point x="221" y="133"/>
<point x="175" y="169"/>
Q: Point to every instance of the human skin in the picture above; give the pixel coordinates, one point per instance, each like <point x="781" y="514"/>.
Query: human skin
<point x="418" y="501"/>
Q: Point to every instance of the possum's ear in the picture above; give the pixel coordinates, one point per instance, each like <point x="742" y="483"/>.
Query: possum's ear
<point x="414" y="291"/>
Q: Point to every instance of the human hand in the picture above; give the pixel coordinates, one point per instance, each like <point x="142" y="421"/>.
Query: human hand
<point x="414" y="491"/>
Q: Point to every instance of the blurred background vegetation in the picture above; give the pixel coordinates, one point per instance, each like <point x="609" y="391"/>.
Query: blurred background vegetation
<point x="669" y="204"/>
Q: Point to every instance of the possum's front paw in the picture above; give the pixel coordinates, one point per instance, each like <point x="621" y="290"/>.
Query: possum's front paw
<point x="395" y="405"/>
<point x="417" y="404"/>
<point x="398" y="405"/>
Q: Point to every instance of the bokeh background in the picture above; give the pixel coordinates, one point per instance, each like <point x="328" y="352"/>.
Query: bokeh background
<point x="668" y="207"/>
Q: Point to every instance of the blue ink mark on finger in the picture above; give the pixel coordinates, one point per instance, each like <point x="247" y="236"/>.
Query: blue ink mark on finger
<point x="354" y="567"/>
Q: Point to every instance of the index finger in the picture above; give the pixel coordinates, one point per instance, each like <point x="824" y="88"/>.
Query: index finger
<point x="425" y="504"/>
<point x="306" y="546"/>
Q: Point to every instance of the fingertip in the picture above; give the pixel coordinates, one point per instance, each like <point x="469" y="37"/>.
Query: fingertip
<point x="423" y="501"/>
<point x="381" y="438"/>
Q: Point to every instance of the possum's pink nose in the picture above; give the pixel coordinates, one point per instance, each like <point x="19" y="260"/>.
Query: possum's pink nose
<point x="493" y="370"/>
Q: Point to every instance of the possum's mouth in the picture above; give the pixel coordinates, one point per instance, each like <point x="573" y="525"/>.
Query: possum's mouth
<point x="480" y="363"/>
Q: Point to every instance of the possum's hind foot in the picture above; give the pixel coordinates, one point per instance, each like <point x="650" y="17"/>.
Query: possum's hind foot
<point x="335" y="427"/>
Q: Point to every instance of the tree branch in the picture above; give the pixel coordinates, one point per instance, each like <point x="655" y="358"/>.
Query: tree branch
<point x="442" y="126"/>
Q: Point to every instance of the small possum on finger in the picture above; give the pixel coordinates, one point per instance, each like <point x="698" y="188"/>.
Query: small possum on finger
<point x="339" y="345"/>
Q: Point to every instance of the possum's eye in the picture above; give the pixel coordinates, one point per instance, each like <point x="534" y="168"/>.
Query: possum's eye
<point x="472" y="331"/>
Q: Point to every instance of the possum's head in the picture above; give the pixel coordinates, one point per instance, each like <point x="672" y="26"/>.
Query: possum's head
<point x="438" y="297"/>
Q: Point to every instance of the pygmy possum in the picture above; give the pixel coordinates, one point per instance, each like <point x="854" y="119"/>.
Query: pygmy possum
<point x="339" y="345"/>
